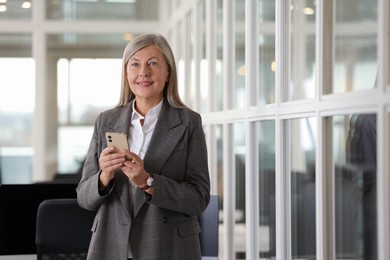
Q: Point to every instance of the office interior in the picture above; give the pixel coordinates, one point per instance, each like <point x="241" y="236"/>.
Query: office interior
<point x="294" y="97"/>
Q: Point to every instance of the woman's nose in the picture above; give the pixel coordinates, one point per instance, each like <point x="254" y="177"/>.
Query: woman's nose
<point x="144" y="72"/>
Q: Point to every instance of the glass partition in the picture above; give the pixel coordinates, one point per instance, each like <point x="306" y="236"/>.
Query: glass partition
<point x="267" y="64"/>
<point x="179" y="56"/>
<point x="239" y="73"/>
<point x="239" y="173"/>
<point x="354" y="156"/>
<point x="218" y="132"/>
<point x="219" y="62"/>
<point x="302" y="65"/>
<point x="265" y="150"/>
<point x="355" y="39"/>
<point x="189" y="61"/>
<point x="303" y="197"/>
<point x="203" y="81"/>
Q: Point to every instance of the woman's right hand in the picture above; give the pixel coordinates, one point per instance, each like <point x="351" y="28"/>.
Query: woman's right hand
<point x="110" y="159"/>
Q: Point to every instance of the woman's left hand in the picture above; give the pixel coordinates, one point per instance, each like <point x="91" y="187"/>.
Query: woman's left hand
<point x="134" y="169"/>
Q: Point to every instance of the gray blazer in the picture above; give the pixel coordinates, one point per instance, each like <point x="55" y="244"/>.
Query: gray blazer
<point x="165" y="225"/>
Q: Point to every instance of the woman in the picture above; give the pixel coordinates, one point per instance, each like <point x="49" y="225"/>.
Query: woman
<point x="147" y="198"/>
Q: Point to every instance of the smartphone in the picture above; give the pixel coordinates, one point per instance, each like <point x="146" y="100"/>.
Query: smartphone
<point x="118" y="140"/>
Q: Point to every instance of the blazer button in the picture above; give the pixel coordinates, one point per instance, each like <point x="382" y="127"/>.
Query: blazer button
<point x="165" y="220"/>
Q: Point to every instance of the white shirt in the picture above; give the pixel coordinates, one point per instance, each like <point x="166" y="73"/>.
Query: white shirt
<point x="139" y="138"/>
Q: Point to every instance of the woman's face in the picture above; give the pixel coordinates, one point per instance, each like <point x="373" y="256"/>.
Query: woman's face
<point x="147" y="72"/>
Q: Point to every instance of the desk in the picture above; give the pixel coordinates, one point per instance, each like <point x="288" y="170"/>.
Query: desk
<point x="34" y="257"/>
<point x="17" y="238"/>
<point x="18" y="257"/>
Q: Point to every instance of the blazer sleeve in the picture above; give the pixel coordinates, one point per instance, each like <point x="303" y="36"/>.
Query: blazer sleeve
<point x="88" y="195"/>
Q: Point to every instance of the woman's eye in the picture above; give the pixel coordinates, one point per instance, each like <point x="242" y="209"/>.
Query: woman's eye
<point x="134" y="64"/>
<point x="152" y="63"/>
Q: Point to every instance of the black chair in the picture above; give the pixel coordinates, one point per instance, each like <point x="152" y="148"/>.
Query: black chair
<point x="63" y="230"/>
<point x="209" y="222"/>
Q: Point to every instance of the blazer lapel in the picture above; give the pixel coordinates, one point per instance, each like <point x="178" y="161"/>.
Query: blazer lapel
<point x="167" y="133"/>
<point x="120" y="120"/>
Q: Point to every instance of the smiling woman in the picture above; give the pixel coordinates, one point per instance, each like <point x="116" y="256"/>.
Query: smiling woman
<point x="158" y="186"/>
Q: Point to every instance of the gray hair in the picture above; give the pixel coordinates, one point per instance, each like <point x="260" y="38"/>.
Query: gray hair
<point x="171" y="92"/>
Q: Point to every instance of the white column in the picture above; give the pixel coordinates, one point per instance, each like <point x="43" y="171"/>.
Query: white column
<point x="383" y="134"/>
<point x="228" y="53"/>
<point x="251" y="174"/>
<point x="229" y="192"/>
<point x="282" y="212"/>
<point x="324" y="170"/>
<point x="40" y="123"/>
<point x="228" y="140"/>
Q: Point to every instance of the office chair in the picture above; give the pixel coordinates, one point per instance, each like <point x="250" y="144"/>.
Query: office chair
<point x="63" y="230"/>
<point x="209" y="222"/>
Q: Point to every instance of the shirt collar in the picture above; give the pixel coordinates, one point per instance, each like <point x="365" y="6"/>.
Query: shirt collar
<point x="152" y="113"/>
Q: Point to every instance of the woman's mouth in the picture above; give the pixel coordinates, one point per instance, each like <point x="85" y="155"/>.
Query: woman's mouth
<point x="145" y="83"/>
